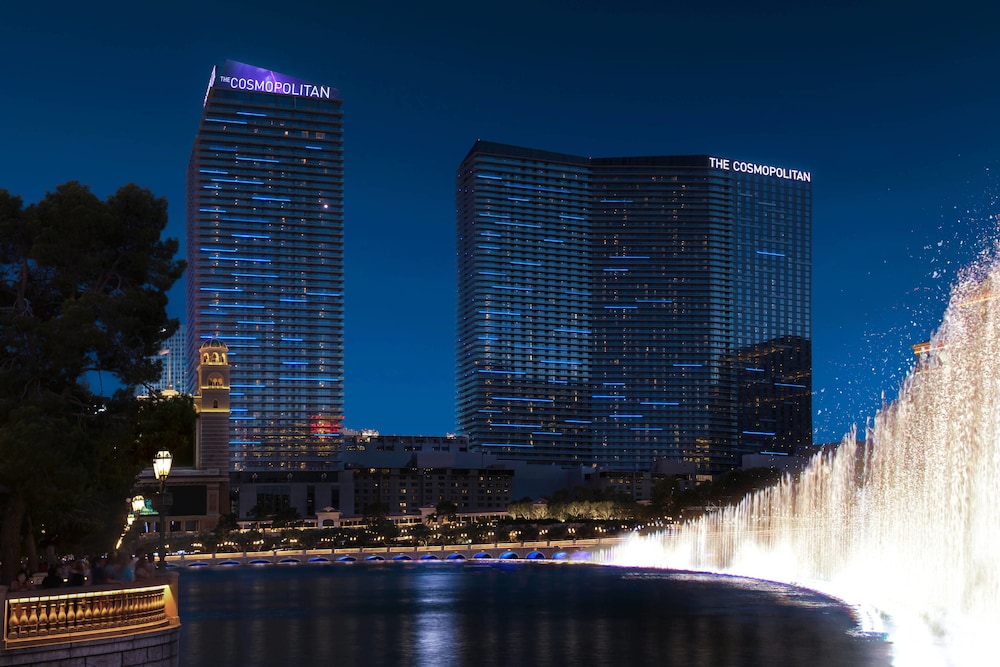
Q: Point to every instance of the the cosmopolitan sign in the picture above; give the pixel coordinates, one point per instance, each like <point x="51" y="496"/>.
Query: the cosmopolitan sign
<point x="761" y="169"/>
<point x="241" y="76"/>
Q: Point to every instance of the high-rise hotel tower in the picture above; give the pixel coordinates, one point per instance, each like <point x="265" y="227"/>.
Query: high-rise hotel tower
<point x="619" y="311"/>
<point x="265" y="261"/>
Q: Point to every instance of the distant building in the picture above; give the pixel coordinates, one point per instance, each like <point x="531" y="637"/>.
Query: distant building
<point x="403" y="473"/>
<point x="774" y="390"/>
<point x="792" y="463"/>
<point x="173" y="356"/>
<point x="405" y="490"/>
<point x="618" y="311"/>
<point x="265" y="261"/>
<point x="372" y="450"/>
<point x="269" y="491"/>
<point x="631" y="484"/>
<point x="397" y="475"/>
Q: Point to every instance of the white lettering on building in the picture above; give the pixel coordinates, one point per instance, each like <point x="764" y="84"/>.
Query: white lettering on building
<point x="759" y="169"/>
<point x="277" y="87"/>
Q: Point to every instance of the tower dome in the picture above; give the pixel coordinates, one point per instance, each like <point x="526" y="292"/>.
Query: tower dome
<point x="213" y="351"/>
<point x="214" y="344"/>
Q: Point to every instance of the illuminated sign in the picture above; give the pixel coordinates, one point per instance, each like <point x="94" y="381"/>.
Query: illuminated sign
<point x="240" y="76"/>
<point x="761" y="169"/>
<point x="322" y="426"/>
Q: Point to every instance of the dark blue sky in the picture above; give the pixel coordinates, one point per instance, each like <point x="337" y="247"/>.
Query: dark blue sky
<point x="892" y="106"/>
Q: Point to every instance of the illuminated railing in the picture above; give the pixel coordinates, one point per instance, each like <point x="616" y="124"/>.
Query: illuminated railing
<point x="32" y="618"/>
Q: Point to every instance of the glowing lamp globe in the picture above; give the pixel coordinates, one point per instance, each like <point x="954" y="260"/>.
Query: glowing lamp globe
<point x="161" y="464"/>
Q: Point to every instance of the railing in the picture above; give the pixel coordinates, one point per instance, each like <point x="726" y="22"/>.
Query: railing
<point x="34" y="618"/>
<point x="289" y="556"/>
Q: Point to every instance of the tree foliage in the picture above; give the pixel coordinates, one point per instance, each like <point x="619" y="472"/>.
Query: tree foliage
<point x="728" y="489"/>
<point x="577" y="503"/>
<point x="83" y="295"/>
<point x="445" y="510"/>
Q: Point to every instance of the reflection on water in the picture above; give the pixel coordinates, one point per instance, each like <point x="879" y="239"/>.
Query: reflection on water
<point x="507" y="614"/>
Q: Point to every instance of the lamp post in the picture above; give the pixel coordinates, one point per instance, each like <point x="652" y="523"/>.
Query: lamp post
<point x="161" y="468"/>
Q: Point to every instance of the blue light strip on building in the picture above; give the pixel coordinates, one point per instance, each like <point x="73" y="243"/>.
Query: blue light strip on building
<point x="511" y="223"/>
<point x="528" y="400"/>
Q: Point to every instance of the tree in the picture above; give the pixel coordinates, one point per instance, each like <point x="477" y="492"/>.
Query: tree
<point x="227" y="524"/>
<point x="446" y="510"/>
<point x="286" y="516"/>
<point x="421" y="535"/>
<point x="664" y="490"/>
<point x="259" y="512"/>
<point x="166" y="422"/>
<point x="374" y="512"/>
<point x="83" y="294"/>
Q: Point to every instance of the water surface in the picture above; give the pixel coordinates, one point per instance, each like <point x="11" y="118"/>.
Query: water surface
<point x="507" y="613"/>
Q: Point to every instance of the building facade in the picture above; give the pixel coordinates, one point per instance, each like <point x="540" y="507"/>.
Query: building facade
<point x="620" y="311"/>
<point x="175" y="365"/>
<point x="406" y="490"/>
<point x="265" y="261"/>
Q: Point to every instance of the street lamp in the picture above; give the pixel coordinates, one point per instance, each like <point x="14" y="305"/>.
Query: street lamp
<point x="161" y="468"/>
<point x="138" y="504"/>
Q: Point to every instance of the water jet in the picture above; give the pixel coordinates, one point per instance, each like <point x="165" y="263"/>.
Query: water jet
<point x="905" y="522"/>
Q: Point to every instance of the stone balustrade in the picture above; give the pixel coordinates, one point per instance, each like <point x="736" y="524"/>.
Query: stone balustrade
<point x="56" y="616"/>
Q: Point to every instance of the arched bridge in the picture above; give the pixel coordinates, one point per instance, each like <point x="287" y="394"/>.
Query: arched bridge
<point x="579" y="550"/>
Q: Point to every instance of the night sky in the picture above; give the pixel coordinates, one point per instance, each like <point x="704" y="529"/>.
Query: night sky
<point x="893" y="107"/>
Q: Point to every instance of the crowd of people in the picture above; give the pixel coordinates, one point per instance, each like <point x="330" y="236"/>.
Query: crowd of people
<point x="121" y="567"/>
